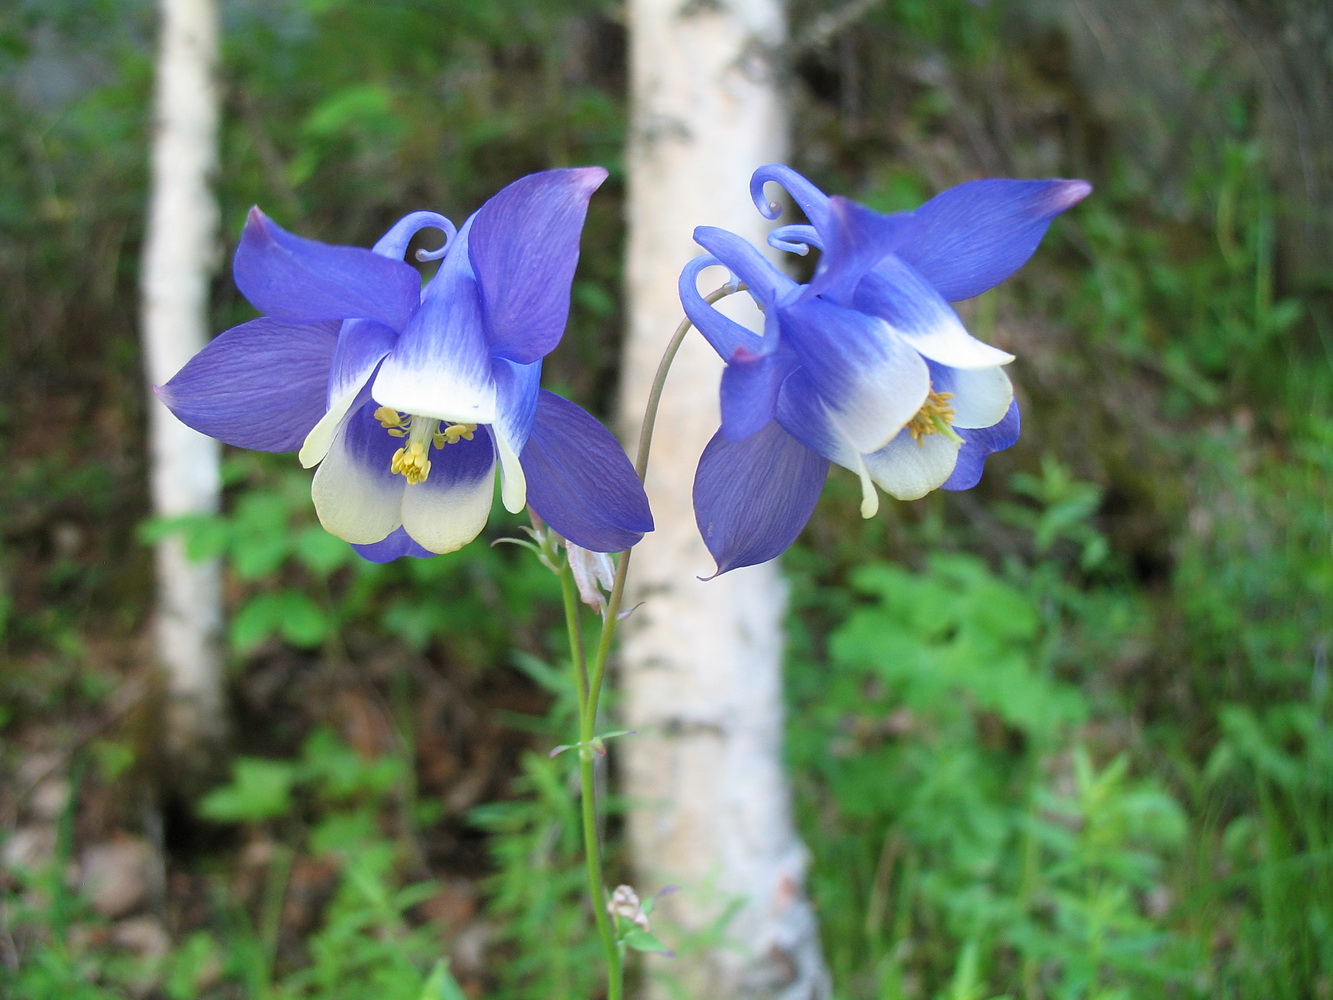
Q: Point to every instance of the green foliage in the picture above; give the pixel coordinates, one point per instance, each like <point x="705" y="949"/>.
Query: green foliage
<point x="1063" y="512"/>
<point x="961" y="844"/>
<point x="331" y="803"/>
<point x="1278" y="855"/>
<point x="536" y="895"/>
<point x="259" y="790"/>
<point x="308" y="589"/>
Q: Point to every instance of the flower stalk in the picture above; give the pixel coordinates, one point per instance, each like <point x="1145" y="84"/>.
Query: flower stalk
<point x="589" y="678"/>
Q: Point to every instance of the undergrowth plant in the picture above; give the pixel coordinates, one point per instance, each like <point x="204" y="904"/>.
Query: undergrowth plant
<point x="973" y="839"/>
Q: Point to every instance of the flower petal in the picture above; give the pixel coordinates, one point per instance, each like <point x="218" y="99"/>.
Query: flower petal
<point x="750" y="392"/>
<point x="723" y="333"/>
<point x="797" y="239"/>
<point x="871" y="381"/>
<point x="766" y="283"/>
<point x="289" y="277"/>
<point x="908" y="470"/>
<point x="362" y="345"/>
<point x="855" y="239"/>
<point x="893" y="291"/>
<point x="441" y="365"/>
<point x="580" y="481"/>
<point x="516" y="407"/>
<point x="753" y="497"/>
<point x="524" y="246"/>
<point x="812" y="201"/>
<point x="398" y="544"/>
<point x="320" y="439"/>
<point x="970" y="238"/>
<point x="451" y="507"/>
<point x="356" y="497"/>
<point x="259" y="385"/>
<point x="981" y="443"/>
<point x="393" y="244"/>
<point x="981" y="396"/>
<point x="804" y="416"/>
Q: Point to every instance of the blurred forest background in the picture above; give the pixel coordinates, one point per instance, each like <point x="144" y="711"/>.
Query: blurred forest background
<point x="1063" y="736"/>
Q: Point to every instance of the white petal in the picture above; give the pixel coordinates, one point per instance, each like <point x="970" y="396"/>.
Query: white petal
<point x="356" y="497"/>
<point x="944" y="339"/>
<point x="437" y="391"/>
<point x="513" y="481"/>
<point x="894" y="291"/>
<point x="981" y="396"/>
<point x="887" y="393"/>
<point x="907" y="470"/>
<point x="441" y="364"/>
<point x="869" y="496"/>
<point x="870" y="380"/>
<point x="321" y="436"/>
<point x="443" y="516"/>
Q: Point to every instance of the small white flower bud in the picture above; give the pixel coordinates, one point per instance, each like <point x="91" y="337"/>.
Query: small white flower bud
<point x="624" y="903"/>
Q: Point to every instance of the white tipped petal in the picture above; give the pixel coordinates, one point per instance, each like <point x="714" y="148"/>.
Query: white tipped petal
<point x="981" y="396"/>
<point x="896" y="292"/>
<point x="320" y="438"/>
<point x="870" y="381"/>
<point x="869" y="495"/>
<point x="907" y="470"/>
<point x="513" y="481"/>
<point x="443" y="516"/>
<point x="356" y="496"/>
<point x="435" y="390"/>
<point x="441" y="364"/>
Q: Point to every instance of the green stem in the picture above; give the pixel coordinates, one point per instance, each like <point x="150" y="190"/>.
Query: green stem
<point x="611" y="617"/>
<point x="575" y="630"/>
<point x="592" y="854"/>
<point x="590" y="684"/>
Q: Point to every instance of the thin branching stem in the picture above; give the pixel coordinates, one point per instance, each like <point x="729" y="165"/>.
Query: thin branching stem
<point x="590" y="691"/>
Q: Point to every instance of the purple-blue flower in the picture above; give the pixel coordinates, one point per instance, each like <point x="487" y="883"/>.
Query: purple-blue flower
<point x="867" y="366"/>
<point x="407" y="398"/>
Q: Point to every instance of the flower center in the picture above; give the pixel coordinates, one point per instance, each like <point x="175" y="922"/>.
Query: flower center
<point x="412" y="461"/>
<point x="934" y="417"/>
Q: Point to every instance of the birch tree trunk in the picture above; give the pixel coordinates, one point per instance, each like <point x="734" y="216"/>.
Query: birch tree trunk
<point x="179" y="257"/>
<point x="701" y="662"/>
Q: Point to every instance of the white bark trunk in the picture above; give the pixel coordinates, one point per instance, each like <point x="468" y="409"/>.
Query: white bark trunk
<point x="179" y="258"/>
<point x="700" y="662"/>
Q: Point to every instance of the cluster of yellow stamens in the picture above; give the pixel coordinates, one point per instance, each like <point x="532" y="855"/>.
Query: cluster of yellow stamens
<point x="412" y="461"/>
<point x="934" y="417"/>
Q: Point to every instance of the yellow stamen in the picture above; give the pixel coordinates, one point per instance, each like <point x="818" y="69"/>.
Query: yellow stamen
<point x="934" y="417"/>
<point x="453" y="433"/>
<point x="389" y="417"/>
<point x="412" y="461"/>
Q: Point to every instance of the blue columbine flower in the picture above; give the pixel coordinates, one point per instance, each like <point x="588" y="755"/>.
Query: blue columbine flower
<point x="867" y="366"/>
<point x="407" y="398"/>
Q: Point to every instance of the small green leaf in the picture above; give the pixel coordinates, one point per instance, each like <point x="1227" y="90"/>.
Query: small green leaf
<point x="257" y="555"/>
<point x="321" y="552"/>
<point x="303" y="622"/>
<point x="260" y="789"/>
<point x="442" y="985"/>
<point x="254" y="621"/>
<point x="640" y="940"/>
